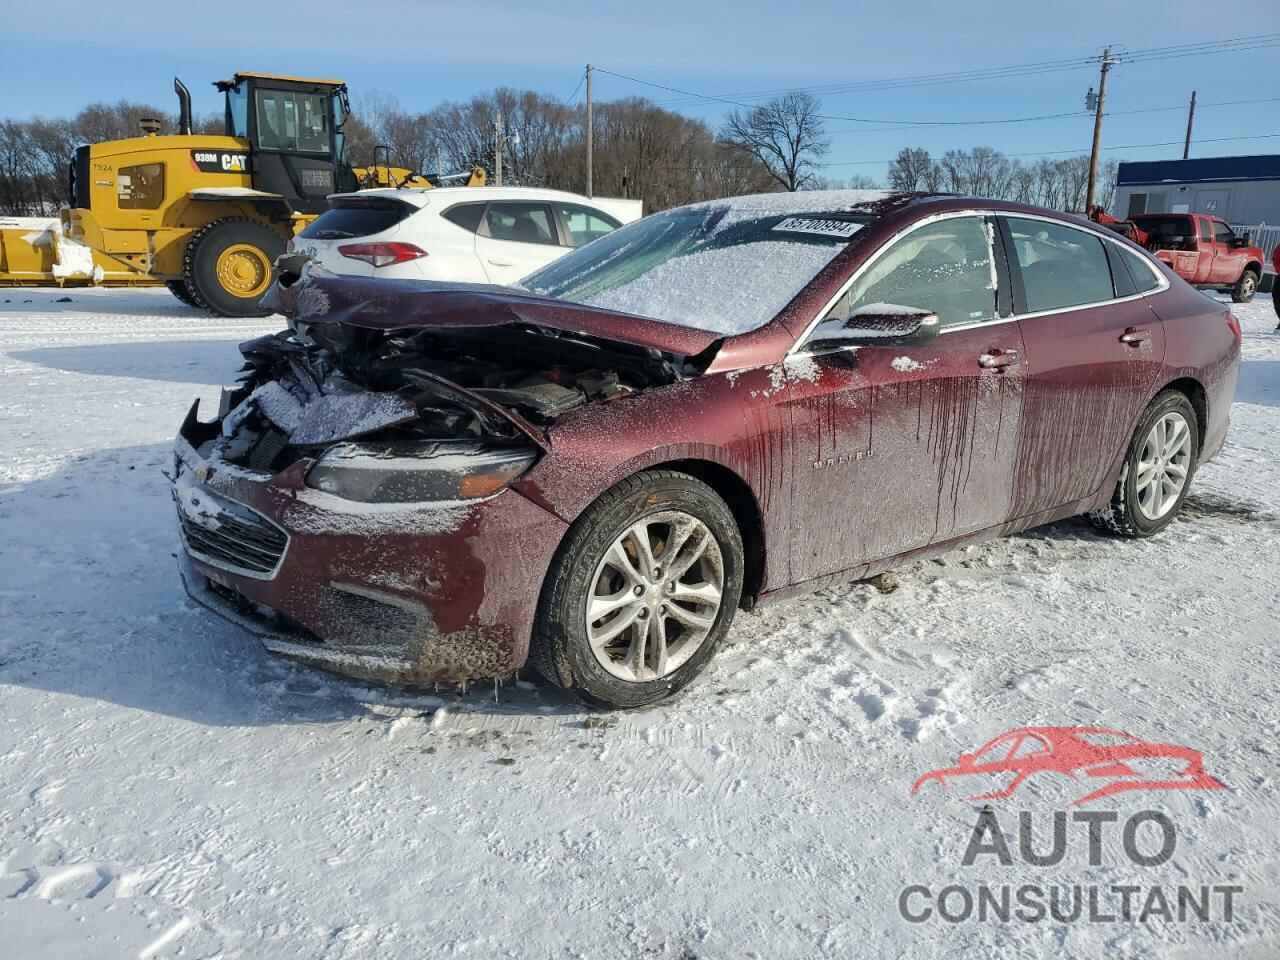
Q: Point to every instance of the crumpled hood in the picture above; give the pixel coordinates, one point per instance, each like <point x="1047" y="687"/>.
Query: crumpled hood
<point x="378" y="304"/>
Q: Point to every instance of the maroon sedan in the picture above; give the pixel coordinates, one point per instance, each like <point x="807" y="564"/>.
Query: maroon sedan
<point x="710" y="408"/>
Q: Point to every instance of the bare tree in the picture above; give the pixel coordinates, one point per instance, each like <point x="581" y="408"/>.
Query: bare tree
<point x="910" y="169"/>
<point x="786" y="136"/>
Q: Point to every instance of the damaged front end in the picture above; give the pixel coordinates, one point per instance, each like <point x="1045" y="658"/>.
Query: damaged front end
<point x="353" y="503"/>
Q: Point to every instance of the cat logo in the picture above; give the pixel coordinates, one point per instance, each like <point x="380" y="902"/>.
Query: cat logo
<point x="215" y="161"/>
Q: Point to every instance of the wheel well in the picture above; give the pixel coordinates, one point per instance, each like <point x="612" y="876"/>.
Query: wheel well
<point x="742" y="502"/>
<point x="1194" y="392"/>
<point x="1255" y="267"/>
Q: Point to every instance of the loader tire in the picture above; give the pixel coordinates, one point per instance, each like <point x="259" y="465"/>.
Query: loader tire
<point x="179" y="289"/>
<point x="229" y="265"/>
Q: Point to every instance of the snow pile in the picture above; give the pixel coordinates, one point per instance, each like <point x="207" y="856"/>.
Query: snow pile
<point x="72" y="259"/>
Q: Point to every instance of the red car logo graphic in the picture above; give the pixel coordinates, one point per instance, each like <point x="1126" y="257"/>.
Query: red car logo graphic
<point x="1083" y="754"/>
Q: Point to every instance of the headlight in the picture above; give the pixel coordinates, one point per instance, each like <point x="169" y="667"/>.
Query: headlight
<point x="439" y="470"/>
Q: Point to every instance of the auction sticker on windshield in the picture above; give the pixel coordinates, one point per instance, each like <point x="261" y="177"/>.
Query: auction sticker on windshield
<point x="822" y="228"/>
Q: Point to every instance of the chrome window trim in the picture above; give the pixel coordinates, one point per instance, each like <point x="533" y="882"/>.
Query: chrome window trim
<point x="1162" y="282"/>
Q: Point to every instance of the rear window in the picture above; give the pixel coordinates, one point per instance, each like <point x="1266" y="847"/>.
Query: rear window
<point x="707" y="266"/>
<point x="1164" y="230"/>
<point x="357" y="218"/>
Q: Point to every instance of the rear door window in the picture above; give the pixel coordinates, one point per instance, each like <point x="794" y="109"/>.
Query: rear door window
<point x="1061" y="266"/>
<point x="465" y="215"/>
<point x="1206" y="230"/>
<point x="360" y="218"/>
<point x="521" y="222"/>
<point x="582" y="224"/>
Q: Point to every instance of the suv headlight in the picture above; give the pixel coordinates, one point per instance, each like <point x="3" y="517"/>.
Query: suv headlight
<point x="417" y="473"/>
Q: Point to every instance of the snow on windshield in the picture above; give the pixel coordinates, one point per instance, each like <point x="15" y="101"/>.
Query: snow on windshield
<point x="723" y="266"/>
<point x="727" y="290"/>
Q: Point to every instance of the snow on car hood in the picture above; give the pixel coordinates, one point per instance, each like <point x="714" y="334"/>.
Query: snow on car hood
<point x="378" y="304"/>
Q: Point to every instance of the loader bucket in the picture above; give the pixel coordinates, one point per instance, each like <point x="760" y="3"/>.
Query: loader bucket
<point x="33" y="253"/>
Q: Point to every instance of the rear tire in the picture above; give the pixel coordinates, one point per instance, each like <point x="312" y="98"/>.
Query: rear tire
<point x="1132" y="511"/>
<point x="614" y="673"/>
<point x="1275" y="298"/>
<point x="1245" y="287"/>
<point x="179" y="289"/>
<point x="229" y="266"/>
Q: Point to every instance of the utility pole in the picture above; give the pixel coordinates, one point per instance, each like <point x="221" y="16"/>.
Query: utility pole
<point x="1191" y="117"/>
<point x="1097" y="130"/>
<point x="497" y="148"/>
<point x="589" y="131"/>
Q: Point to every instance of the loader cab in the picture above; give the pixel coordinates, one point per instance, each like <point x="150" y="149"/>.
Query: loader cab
<point x="294" y="129"/>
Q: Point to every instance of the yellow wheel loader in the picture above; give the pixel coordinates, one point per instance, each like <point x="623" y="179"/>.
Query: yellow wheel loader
<point x="208" y="215"/>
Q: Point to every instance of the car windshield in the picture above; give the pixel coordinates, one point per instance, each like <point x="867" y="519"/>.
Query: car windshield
<point x="712" y="266"/>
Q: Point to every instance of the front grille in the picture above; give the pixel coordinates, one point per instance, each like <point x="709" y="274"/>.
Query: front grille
<point x="235" y="537"/>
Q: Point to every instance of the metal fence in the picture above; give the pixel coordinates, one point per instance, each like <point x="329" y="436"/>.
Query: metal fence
<point x="1264" y="236"/>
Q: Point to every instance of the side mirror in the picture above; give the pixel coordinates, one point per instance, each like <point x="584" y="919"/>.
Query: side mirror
<point x="887" y="324"/>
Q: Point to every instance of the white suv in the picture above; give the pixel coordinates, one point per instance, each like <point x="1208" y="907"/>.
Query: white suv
<point x="467" y="234"/>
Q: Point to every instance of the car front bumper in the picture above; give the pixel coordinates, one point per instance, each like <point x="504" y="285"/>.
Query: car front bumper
<point x="401" y="593"/>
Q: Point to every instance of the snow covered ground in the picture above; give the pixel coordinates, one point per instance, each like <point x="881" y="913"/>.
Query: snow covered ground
<point x="168" y="789"/>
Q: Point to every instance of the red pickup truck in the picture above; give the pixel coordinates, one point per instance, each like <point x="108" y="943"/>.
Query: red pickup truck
<point x="1200" y="248"/>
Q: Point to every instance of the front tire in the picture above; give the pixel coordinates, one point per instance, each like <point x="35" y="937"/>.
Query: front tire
<point x="1245" y="287"/>
<point x="179" y="289"/>
<point x="1158" y="469"/>
<point x="228" y="266"/>
<point x="641" y="592"/>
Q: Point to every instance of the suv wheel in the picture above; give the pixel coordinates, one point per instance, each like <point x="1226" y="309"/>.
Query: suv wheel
<point x="642" y="591"/>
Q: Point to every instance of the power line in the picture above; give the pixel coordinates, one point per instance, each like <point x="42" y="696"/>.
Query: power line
<point x="573" y="97"/>
<point x="1081" y="115"/>
<point x="1077" y="150"/>
<point x="1237" y="44"/>
<point x="1020" y="70"/>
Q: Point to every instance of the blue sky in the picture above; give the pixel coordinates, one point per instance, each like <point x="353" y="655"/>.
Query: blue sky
<point x="60" y="55"/>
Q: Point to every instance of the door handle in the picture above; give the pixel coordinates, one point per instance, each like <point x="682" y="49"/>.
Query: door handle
<point x="1135" y="336"/>
<point x="998" y="359"/>
<point x="500" y="263"/>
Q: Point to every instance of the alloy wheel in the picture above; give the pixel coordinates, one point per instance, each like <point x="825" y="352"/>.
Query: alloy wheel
<point x="655" y="596"/>
<point x="1163" y="465"/>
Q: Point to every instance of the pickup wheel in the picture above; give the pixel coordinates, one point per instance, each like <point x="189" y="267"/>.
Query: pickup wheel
<point x="1245" y="287"/>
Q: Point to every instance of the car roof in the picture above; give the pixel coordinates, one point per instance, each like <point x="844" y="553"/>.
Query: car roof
<point x="444" y="196"/>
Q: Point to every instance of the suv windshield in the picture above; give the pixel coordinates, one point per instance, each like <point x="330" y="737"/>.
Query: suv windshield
<point x="709" y="266"/>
